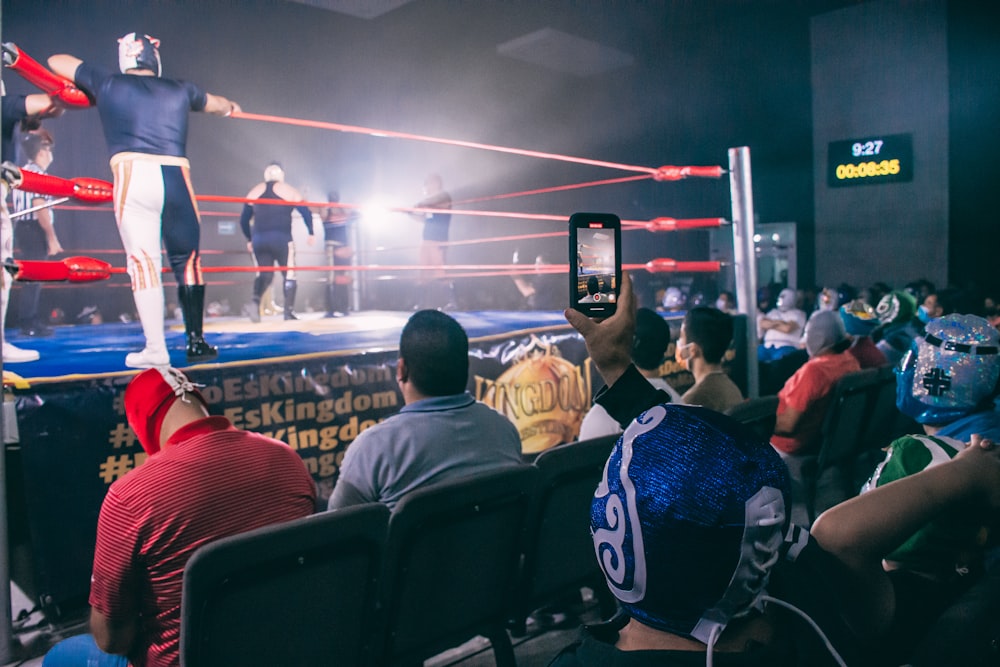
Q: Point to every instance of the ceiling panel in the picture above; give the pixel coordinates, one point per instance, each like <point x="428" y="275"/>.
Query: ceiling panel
<point x="562" y="52"/>
<point x="363" y="9"/>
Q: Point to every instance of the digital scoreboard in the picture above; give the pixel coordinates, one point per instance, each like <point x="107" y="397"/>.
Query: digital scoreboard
<point x="884" y="158"/>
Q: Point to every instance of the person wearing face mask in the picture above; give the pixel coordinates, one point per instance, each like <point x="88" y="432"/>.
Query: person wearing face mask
<point x="687" y="493"/>
<point x="706" y="334"/>
<point x="649" y="347"/>
<point x="805" y="396"/>
<point x="726" y="303"/>
<point x="859" y="322"/>
<point x="938" y="304"/>
<point x="269" y="238"/>
<point x="781" y="328"/>
<point x="947" y="383"/>
<point x="897" y="315"/>
<point x="674" y="299"/>
<point x="145" y="120"/>
<point x="828" y="299"/>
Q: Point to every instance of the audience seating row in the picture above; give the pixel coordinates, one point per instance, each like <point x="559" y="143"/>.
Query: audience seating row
<point x="758" y="413"/>
<point x="362" y="587"/>
<point x="860" y="421"/>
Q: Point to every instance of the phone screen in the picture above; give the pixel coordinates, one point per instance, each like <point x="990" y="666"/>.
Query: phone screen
<point x="595" y="263"/>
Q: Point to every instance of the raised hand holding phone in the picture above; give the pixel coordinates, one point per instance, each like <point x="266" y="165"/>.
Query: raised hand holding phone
<point x="609" y="340"/>
<point x="595" y="262"/>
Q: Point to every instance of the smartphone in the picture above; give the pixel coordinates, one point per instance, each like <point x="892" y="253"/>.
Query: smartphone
<point x="595" y="263"/>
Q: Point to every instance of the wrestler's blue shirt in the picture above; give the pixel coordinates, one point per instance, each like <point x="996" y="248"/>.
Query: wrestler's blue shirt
<point x="142" y="114"/>
<point x="436" y="226"/>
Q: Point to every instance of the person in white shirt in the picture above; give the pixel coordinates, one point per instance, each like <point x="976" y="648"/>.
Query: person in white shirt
<point x="649" y="346"/>
<point x="781" y="328"/>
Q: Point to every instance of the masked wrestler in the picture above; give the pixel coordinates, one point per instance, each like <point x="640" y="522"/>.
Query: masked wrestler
<point x="270" y="238"/>
<point x="145" y="121"/>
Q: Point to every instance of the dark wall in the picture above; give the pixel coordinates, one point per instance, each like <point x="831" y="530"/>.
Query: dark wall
<point x="707" y="76"/>
<point x="974" y="103"/>
<point x="880" y="68"/>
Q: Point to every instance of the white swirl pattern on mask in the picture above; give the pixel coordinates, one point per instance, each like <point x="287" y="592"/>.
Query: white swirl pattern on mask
<point x="622" y="516"/>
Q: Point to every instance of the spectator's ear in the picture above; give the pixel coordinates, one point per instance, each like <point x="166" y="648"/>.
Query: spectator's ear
<point x="402" y="375"/>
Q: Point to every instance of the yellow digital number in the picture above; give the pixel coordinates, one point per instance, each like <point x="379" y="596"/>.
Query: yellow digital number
<point x="867" y="169"/>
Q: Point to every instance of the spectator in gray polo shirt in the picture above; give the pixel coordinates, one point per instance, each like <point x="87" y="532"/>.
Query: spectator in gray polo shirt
<point x="441" y="433"/>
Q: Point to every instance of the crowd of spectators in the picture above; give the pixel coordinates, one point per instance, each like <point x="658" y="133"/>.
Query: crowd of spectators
<point x="693" y="522"/>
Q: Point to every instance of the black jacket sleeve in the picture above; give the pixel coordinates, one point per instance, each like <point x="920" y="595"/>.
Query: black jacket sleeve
<point x="630" y="396"/>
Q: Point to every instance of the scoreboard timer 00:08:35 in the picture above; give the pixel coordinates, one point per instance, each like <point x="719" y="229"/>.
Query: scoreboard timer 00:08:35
<point x="867" y="169"/>
<point x="880" y="159"/>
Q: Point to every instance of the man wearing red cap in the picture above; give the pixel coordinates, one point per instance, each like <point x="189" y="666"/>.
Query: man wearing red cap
<point x="204" y="480"/>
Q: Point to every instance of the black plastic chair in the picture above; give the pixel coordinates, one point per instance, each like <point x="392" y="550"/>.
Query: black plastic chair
<point x="887" y="423"/>
<point x="295" y="593"/>
<point x="451" y="563"/>
<point x="558" y="556"/>
<point x="757" y="413"/>
<point x="845" y="428"/>
<point x="881" y="426"/>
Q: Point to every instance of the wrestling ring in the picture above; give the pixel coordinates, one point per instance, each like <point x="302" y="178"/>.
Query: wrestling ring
<point x="316" y="382"/>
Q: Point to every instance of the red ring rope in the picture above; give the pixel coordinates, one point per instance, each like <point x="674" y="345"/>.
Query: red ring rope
<point x="660" y="173"/>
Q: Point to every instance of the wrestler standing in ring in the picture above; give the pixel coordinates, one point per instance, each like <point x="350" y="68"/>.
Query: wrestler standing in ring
<point x="145" y="121"/>
<point x="336" y="219"/>
<point x="434" y="292"/>
<point x="269" y="240"/>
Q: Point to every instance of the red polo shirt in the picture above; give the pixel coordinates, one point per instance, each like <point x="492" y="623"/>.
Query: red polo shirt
<point x="210" y="481"/>
<point x="809" y="391"/>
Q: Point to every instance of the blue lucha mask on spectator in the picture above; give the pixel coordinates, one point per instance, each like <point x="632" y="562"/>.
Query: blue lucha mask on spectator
<point x="923" y="315"/>
<point x="949" y="371"/>
<point x="688" y="519"/>
<point x="859" y="318"/>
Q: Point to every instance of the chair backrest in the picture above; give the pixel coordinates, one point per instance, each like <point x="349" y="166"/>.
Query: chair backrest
<point x="558" y="550"/>
<point x="295" y="593"/>
<point x="845" y="426"/>
<point x="757" y="413"/>
<point x="882" y="423"/>
<point x="847" y="416"/>
<point x="451" y="562"/>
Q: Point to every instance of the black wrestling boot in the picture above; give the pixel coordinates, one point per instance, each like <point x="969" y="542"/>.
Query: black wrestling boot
<point x="260" y="285"/>
<point x="335" y="305"/>
<point x="192" y="300"/>
<point x="290" y="287"/>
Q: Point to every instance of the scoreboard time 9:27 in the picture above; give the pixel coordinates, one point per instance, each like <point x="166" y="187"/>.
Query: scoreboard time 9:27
<point x="877" y="159"/>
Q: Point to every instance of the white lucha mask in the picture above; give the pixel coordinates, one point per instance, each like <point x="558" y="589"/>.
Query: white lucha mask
<point x="274" y="172"/>
<point x="786" y="299"/>
<point x="138" y="51"/>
